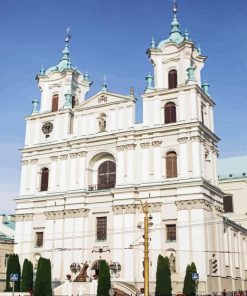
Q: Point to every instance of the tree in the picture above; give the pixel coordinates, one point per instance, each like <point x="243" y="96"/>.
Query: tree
<point x="104" y="281"/>
<point x="163" y="277"/>
<point x="43" y="278"/>
<point x="27" y="276"/>
<point x="189" y="284"/>
<point x="13" y="267"/>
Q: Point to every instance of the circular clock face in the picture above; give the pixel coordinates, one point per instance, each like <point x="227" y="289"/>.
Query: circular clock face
<point x="47" y="128"/>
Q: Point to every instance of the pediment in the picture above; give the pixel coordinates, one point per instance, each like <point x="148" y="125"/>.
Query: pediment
<point x="105" y="99"/>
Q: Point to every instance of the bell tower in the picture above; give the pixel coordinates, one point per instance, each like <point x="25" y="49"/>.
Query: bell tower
<point x="63" y="87"/>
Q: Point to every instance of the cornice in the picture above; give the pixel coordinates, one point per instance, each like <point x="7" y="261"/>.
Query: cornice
<point x="63" y="214"/>
<point x="199" y="204"/>
<point x="24" y="217"/>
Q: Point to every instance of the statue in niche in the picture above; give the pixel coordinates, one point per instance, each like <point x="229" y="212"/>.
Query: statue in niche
<point x="172" y="263"/>
<point x="102" y="122"/>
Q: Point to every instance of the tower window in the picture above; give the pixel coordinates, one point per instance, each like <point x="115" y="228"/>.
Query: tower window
<point x="227" y="204"/>
<point x="101" y="228"/>
<point x="54" y="106"/>
<point x="171" y="164"/>
<point x="44" y="179"/>
<point x="170" y="112"/>
<point x="39" y="239"/>
<point x="107" y="175"/>
<point x="172" y="79"/>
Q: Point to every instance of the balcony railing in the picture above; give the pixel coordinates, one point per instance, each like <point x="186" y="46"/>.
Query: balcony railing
<point x="102" y="186"/>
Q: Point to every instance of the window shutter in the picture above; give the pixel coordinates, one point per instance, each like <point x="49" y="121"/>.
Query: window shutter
<point x="54" y="103"/>
<point x="170" y="112"/>
<point x="107" y="175"/>
<point x="44" y="179"/>
<point x="172" y="79"/>
<point x="171" y="165"/>
<point x="101" y="228"/>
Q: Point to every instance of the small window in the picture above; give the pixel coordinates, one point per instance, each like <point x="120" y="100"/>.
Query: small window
<point x="101" y="228"/>
<point x="73" y="101"/>
<point x="171" y="164"/>
<point x="172" y="79"/>
<point x="6" y="259"/>
<point x="171" y="232"/>
<point x="170" y="112"/>
<point x="227" y="204"/>
<point x="54" y="106"/>
<point x="44" y="179"/>
<point x="39" y="239"/>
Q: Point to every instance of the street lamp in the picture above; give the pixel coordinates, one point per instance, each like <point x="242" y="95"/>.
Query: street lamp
<point x="115" y="268"/>
<point x="146" y="246"/>
<point x="75" y="267"/>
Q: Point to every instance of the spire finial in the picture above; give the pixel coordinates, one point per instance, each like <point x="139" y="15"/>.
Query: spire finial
<point x="152" y="43"/>
<point x="104" y="85"/>
<point x="42" y="70"/>
<point x="175" y="7"/>
<point x="68" y="36"/>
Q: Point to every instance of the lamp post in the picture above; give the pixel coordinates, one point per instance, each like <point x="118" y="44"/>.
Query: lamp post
<point x="146" y="247"/>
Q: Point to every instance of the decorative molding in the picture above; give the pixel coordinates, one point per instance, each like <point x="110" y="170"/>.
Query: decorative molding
<point x="63" y="214"/>
<point x="130" y="146"/>
<point x="156" y="143"/>
<point x="54" y="85"/>
<point x="145" y="145"/>
<point x="73" y="155"/>
<point x="198" y="204"/>
<point x="135" y="208"/>
<point x="64" y="156"/>
<point x="183" y="140"/>
<point x="126" y="147"/>
<point x="53" y="158"/>
<point x="24" y="162"/>
<point x="120" y="148"/>
<point x="24" y="217"/>
<point x="82" y="153"/>
<point x="33" y="161"/>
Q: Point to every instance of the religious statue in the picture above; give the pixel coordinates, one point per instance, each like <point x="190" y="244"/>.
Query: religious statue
<point x="102" y="122"/>
<point x="82" y="277"/>
<point x="172" y="263"/>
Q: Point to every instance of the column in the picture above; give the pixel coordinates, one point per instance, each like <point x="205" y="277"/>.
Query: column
<point x="183" y="159"/>
<point x="81" y="171"/>
<point x="33" y="176"/>
<point x="197" y="157"/>
<point x="53" y="172"/>
<point x="120" y="165"/>
<point x="194" y="105"/>
<point x="157" y="160"/>
<point x="63" y="170"/>
<point x="72" y="170"/>
<point x="24" y="168"/>
<point x="145" y="161"/>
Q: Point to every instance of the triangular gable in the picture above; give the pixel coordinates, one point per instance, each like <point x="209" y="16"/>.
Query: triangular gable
<point x="104" y="99"/>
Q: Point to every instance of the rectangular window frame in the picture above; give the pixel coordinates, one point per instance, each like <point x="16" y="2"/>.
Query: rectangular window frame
<point x="101" y="228"/>
<point x="171" y="234"/>
<point x="228" y="203"/>
<point x="39" y="239"/>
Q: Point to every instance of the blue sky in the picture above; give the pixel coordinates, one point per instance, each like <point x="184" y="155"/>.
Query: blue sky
<point x="110" y="38"/>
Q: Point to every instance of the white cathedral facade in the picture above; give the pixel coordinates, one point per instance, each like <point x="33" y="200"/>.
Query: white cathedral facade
<point x="87" y="165"/>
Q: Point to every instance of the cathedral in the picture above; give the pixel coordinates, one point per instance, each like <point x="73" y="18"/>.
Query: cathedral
<point x="88" y="168"/>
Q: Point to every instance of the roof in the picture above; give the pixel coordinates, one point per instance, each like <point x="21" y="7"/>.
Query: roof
<point x="232" y="167"/>
<point x="10" y="224"/>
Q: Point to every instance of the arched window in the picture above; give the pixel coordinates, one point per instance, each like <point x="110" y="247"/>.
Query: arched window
<point x="73" y="101"/>
<point x="171" y="164"/>
<point x="54" y="106"/>
<point x="44" y="179"/>
<point x="107" y="175"/>
<point x="170" y="113"/>
<point x="172" y="79"/>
